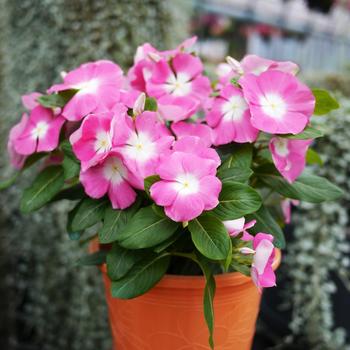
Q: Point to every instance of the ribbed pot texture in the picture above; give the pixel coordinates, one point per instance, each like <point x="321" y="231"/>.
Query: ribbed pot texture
<point x="170" y="316"/>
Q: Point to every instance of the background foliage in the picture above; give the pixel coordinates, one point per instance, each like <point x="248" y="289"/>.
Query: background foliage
<point x="46" y="302"/>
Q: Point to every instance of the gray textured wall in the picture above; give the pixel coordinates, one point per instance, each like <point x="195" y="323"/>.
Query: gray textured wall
<point x="46" y="303"/>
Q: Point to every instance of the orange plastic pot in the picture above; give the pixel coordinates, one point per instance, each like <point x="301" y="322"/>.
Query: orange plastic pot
<point x="170" y="316"/>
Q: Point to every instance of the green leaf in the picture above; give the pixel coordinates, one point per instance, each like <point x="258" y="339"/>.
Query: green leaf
<point x="88" y="213"/>
<point x="48" y="183"/>
<point x="308" y="188"/>
<point x="146" y="229"/>
<point x="208" y="298"/>
<point x="308" y="133"/>
<point x="9" y="182"/>
<point x="266" y="223"/>
<point x="240" y="156"/>
<point x="235" y="174"/>
<point x="73" y="235"/>
<point x="151" y="104"/>
<point x="144" y="275"/>
<point x="93" y="259"/>
<point x="324" y="102"/>
<point x="312" y="157"/>
<point x="243" y="269"/>
<point x="168" y="242"/>
<point x="71" y="164"/>
<point x="56" y="100"/>
<point x="236" y="200"/>
<point x="149" y="181"/>
<point x="210" y="237"/>
<point x="120" y="261"/>
<point x="114" y="222"/>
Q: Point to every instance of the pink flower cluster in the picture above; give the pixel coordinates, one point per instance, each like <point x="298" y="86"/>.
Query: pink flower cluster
<point x="119" y="143"/>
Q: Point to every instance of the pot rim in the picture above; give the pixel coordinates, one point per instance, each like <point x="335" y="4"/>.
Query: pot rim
<point x="198" y="282"/>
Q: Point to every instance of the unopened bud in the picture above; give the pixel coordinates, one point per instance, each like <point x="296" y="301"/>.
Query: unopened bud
<point x="235" y="65"/>
<point x="154" y="56"/>
<point x="139" y="105"/>
<point x="246" y="251"/>
<point x="63" y="74"/>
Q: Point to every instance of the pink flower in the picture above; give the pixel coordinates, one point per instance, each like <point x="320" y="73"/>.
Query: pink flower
<point x="235" y="227"/>
<point x="110" y="176"/>
<point x="252" y="64"/>
<point x="262" y="272"/>
<point x="230" y="118"/>
<point x="188" y="186"/>
<point x="29" y="101"/>
<point x="98" y="84"/>
<point x="289" y="156"/>
<point x="286" y="205"/>
<point x="17" y="160"/>
<point x="198" y="147"/>
<point x="204" y="132"/>
<point x="141" y="142"/>
<point x="145" y="59"/>
<point x="278" y="102"/>
<point x="39" y="133"/>
<point x="93" y="140"/>
<point x="170" y="84"/>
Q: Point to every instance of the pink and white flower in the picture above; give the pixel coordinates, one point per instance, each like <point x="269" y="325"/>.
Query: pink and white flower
<point x="230" y="118"/>
<point x="237" y="226"/>
<point x="195" y="145"/>
<point x="92" y="142"/>
<point x="39" y="133"/>
<point x="204" y="132"/>
<point x="289" y="156"/>
<point x="17" y="160"/>
<point x="111" y="177"/>
<point x="98" y="84"/>
<point x="278" y="102"/>
<point x="261" y="271"/>
<point x="141" y="142"/>
<point x="188" y="186"/>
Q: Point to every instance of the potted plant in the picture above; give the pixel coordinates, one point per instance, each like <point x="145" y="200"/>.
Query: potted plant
<point x="183" y="178"/>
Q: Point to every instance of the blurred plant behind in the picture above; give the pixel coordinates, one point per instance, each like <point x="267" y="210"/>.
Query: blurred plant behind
<point x="46" y="302"/>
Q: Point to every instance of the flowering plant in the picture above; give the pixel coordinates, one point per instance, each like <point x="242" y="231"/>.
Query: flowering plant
<point x="172" y="166"/>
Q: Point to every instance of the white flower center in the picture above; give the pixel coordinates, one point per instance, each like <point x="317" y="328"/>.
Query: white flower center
<point x="186" y="184"/>
<point x="140" y="147"/>
<point x="281" y="147"/>
<point x="234" y="108"/>
<point x="40" y="130"/>
<point x="88" y="87"/>
<point x="103" y="142"/>
<point x="179" y="85"/>
<point x="114" y="170"/>
<point x="273" y="105"/>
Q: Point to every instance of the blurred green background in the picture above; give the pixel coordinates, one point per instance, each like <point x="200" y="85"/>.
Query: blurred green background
<point x="47" y="303"/>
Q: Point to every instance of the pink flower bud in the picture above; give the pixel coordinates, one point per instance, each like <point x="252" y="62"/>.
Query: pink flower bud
<point x="235" y="65"/>
<point x="246" y="251"/>
<point x="139" y="105"/>
<point x="154" y="57"/>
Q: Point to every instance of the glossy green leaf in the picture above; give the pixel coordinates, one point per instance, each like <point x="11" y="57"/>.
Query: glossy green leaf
<point x="236" y="200"/>
<point x="235" y="174"/>
<point x="88" y="213"/>
<point x="210" y="237"/>
<point x="114" y="222"/>
<point x="308" y="188"/>
<point x="324" y="102"/>
<point x="267" y="224"/>
<point x="146" y="229"/>
<point x="97" y="258"/>
<point x="240" y="156"/>
<point x="120" y="261"/>
<point x="149" y="181"/>
<point x="56" y="100"/>
<point x="151" y="104"/>
<point x="48" y="183"/>
<point x="144" y="275"/>
<point x="312" y="157"/>
<point x="308" y="133"/>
